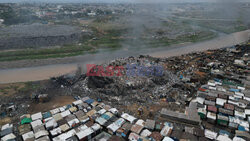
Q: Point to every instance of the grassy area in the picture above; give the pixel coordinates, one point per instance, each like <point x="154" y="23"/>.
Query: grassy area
<point x="110" y="34"/>
<point x="13" y="88"/>
<point x="107" y="35"/>
<point x="163" y="42"/>
<point x="29" y="86"/>
<point x="66" y="51"/>
<point x="225" y="27"/>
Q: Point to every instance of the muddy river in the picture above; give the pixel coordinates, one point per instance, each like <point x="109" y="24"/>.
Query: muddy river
<point x="47" y="68"/>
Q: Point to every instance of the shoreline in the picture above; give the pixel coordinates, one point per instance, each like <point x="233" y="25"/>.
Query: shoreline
<point x="43" y="72"/>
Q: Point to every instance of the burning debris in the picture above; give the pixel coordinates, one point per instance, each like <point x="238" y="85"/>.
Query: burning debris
<point x="213" y="84"/>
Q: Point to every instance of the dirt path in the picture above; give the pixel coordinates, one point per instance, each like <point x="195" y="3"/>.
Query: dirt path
<point x="34" y="70"/>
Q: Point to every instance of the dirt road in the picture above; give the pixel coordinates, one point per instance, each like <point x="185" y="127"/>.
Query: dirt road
<point x="34" y="70"/>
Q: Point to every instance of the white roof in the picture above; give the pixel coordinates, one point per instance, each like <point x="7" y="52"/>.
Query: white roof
<point x="238" y="139"/>
<point x="101" y="120"/>
<point x="244" y="123"/>
<point x="211" y="115"/>
<point x="241" y="88"/>
<point x="240" y="62"/>
<point x="6" y="126"/>
<point x="77" y="102"/>
<point x="84" y="133"/>
<point x="202" y="110"/>
<point x="62" y="109"/>
<point x="8" y="137"/>
<point x="210" y="134"/>
<point x="56" y="131"/>
<point x="65" y="113"/>
<point x="36" y="116"/>
<point x="47" y="119"/>
<point x="223" y="138"/>
<point x="41" y="134"/>
<point x="234" y="119"/>
<point x="83" y="120"/>
<point x="212" y="88"/>
<point x="220" y="101"/>
<point x="200" y="100"/>
<point x="102" y="111"/>
<point x="239" y="114"/>
<point x="232" y="98"/>
<point x="74" y="121"/>
<point x="247" y="111"/>
<point x="146" y="133"/>
<point x="239" y="94"/>
<point x="113" y="110"/>
<point x="119" y="122"/>
<point x="96" y="127"/>
<point x="218" y="83"/>
<point x="28" y="135"/>
<point x="113" y="127"/>
<point x="83" y="127"/>
<point x="166" y="130"/>
<point x="167" y="139"/>
<point x="51" y="123"/>
<point x="128" y="117"/>
<point x="65" y="136"/>
<point x="36" y="123"/>
<point x="221" y="89"/>
<point x="45" y="138"/>
<point x="55" y="111"/>
<point x="246" y="98"/>
<point x="133" y="137"/>
<point x="140" y="122"/>
<point x="232" y="102"/>
<point x="211" y="84"/>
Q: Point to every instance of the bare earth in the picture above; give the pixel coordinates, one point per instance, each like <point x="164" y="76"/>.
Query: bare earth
<point x="55" y="102"/>
<point x="34" y="70"/>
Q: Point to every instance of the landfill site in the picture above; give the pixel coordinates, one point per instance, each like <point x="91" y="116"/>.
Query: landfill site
<point x="37" y="35"/>
<point x="198" y="96"/>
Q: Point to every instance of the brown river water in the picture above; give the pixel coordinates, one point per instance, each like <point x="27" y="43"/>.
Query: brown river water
<point x="69" y="65"/>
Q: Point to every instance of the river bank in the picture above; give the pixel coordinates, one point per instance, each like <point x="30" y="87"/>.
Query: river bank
<point x="34" y="70"/>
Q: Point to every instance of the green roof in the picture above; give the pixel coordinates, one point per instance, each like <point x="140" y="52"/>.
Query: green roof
<point x="26" y="120"/>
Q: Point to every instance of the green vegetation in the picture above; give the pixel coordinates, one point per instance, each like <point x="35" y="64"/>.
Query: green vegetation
<point x="29" y="86"/>
<point x="107" y="35"/>
<point x="224" y="26"/>
<point x="23" y="87"/>
<point x="110" y="33"/>
<point x="66" y="51"/>
<point x="163" y="42"/>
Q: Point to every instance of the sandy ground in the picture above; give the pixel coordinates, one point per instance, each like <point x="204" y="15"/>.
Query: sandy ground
<point x="35" y="73"/>
<point x="34" y="70"/>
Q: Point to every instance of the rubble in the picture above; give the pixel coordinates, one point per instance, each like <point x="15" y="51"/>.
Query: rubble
<point x="202" y="95"/>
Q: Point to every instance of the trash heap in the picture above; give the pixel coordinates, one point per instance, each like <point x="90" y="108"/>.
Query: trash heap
<point x="211" y="90"/>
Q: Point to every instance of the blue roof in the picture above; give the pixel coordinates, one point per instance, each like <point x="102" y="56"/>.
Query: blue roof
<point x="105" y="116"/>
<point x="234" y="90"/>
<point x="46" y="115"/>
<point x="68" y="106"/>
<point x="89" y="101"/>
<point x="217" y="80"/>
<point x="223" y="132"/>
<point x="241" y="128"/>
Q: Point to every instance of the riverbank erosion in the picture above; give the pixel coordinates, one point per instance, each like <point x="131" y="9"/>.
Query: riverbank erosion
<point x="23" y="68"/>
